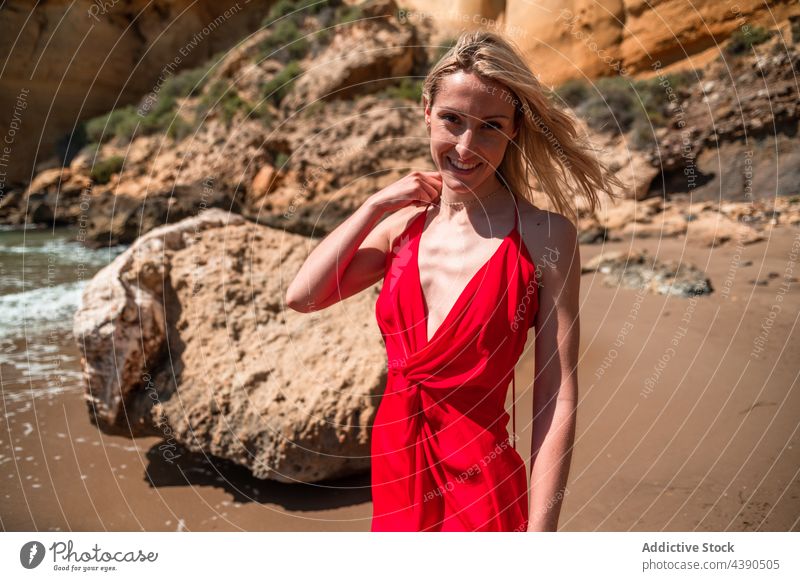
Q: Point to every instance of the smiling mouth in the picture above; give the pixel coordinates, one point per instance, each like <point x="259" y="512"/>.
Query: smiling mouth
<point x="464" y="168"/>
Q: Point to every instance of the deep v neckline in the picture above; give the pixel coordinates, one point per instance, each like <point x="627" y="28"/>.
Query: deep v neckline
<point x="464" y="291"/>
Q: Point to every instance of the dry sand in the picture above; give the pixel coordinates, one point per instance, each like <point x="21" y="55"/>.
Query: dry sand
<point x="706" y="440"/>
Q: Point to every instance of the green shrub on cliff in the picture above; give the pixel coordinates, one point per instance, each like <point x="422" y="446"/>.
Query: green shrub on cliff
<point x="301" y="8"/>
<point x="121" y="122"/>
<point x="158" y="118"/>
<point x="292" y="37"/>
<point x="279" y="85"/>
<point x="286" y="41"/>
<point x="179" y="128"/>
<point x="612" y="105"/>
<point x="622" y="104"/>
<point x="281" y="161"/>
<point x="349" y="13"/>
<point x="187" y="83"/>
<point x="656" y="93"/>
<point x="407" y="88"/>
<point x="158" y="111"/>
<point x="103" y="170"/>
<point x="573" y="92"/>
<point x="222" y="97"/>
<point x="745" y="38"/>
<point x="279" y="9"/>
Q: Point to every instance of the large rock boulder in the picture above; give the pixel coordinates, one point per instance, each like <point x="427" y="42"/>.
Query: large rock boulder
<point x="185" y="335"/>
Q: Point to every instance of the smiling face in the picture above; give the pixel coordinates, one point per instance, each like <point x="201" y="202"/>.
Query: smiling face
<point x="472" y="122"/>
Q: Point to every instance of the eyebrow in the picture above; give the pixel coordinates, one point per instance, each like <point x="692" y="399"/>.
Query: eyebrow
<point x="484" y="119"/>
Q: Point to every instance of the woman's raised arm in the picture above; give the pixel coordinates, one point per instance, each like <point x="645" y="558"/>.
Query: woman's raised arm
<point x="352" y="257"/>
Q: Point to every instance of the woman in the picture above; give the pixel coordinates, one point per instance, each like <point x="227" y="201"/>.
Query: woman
<point x="457" y="299"/>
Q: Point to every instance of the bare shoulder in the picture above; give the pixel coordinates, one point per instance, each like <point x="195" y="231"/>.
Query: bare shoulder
<point x="548" y="236"/>
<point x="398" y="222"/>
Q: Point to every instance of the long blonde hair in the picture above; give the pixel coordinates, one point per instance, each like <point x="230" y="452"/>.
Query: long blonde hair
<point x="547" y="145"/>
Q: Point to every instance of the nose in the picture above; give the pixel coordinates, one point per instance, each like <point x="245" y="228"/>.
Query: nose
<point x="464" y="145"/>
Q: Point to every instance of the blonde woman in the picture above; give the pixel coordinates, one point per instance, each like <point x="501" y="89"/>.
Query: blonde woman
<point x="464" y="278"/>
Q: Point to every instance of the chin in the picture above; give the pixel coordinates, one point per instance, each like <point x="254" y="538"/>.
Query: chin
<point x="458" y="183"/>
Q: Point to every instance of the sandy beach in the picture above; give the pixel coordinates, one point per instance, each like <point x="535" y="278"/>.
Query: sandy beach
<point x="687" y="421"/>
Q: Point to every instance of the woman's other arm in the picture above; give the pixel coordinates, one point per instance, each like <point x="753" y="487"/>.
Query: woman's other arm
<point x="555" y="386"/>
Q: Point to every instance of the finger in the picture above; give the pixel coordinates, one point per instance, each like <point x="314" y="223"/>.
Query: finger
<point x="429" y="191"/>
<point x="433" y="181"/>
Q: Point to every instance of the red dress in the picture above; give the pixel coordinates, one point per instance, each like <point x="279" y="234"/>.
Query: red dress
<point x="442" y="459"/>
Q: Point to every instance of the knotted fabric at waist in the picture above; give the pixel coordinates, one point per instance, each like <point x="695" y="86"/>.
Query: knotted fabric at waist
<point x="441" y="402"/>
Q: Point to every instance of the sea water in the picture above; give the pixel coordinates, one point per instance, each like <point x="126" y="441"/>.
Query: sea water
<point x="43" y="272"/>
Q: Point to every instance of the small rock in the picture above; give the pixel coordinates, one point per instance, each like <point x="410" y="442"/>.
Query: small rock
<point x="638" y="270"/>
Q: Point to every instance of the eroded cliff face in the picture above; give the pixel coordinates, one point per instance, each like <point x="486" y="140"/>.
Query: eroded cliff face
<point x="69" y="61"/>
<point x="565" y="39"/>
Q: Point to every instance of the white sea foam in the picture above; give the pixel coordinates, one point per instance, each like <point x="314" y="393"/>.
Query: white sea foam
<point x="39" y="310"/>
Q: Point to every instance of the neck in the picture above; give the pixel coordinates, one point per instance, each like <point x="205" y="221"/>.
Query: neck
<point x="479" y="200"/>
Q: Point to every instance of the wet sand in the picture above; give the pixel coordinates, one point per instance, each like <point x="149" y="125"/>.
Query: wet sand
<point x="688" y="422"/>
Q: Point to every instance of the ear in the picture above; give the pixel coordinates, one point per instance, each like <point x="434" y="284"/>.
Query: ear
<point x="427" y="110"/>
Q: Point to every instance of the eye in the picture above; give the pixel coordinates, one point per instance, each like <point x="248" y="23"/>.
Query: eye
<point x="450" y="118"/>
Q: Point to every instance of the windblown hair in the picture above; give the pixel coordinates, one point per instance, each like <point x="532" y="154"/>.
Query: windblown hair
<point x="547" y="145"/>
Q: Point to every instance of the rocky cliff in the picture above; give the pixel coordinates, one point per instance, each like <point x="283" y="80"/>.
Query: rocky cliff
<point x="567" y="39"/>
<point x="251" y="131"/>
<point x="70" y="61"/>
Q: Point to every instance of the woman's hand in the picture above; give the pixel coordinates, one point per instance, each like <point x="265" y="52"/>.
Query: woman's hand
<point x="417" y="188"/>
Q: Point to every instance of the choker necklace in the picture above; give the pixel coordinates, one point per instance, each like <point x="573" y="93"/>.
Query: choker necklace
<point x="471" y="201"/>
